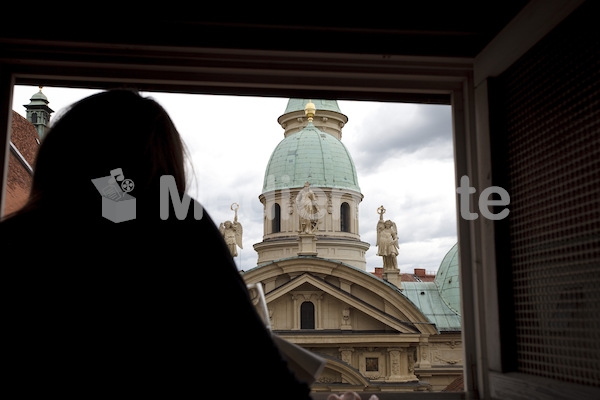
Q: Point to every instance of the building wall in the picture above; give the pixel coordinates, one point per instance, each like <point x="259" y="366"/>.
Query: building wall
<point x="372" y="336"/>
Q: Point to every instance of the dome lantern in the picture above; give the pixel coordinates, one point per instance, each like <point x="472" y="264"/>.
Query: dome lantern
<point x="326" y="116"/>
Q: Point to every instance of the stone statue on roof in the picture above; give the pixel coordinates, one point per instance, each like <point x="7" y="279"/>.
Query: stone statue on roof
<point x="308" y="210"/>
<point x="232" y="232"/>
<point x="387" y="241"/>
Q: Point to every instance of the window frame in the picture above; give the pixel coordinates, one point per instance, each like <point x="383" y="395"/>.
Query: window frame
<point x="434" y="80"/>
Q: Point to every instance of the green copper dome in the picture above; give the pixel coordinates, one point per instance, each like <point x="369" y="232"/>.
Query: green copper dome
<point x="310" y="156"/>
<point x="299" y="104"/>
<point x="447" y="280"/>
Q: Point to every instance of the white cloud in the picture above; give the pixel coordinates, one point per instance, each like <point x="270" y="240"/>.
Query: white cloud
<point x="404" y="160"/>
<point x="402" y="153"/>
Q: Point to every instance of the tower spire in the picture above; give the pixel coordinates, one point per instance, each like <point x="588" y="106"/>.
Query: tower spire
<point x="38" y="112"/>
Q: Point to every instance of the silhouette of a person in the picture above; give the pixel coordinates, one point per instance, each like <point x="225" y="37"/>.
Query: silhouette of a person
<point x="137" y="308"/>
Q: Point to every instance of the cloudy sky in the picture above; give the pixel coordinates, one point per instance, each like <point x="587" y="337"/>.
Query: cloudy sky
<point x="402" y="153"/>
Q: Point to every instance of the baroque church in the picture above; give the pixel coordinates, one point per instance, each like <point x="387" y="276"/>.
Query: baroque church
<point x="375" y="333"/>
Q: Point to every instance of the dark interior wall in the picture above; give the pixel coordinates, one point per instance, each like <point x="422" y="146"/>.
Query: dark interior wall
<point x="546" y="133"/>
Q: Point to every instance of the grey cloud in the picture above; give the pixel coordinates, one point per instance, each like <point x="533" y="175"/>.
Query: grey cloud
<point x="429" y="131"/>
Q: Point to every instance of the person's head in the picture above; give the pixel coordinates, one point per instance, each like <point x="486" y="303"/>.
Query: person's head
<point x="109" y="130"/>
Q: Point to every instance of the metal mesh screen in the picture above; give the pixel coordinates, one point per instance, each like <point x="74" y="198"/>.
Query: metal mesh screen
<point x="550" y="101"/>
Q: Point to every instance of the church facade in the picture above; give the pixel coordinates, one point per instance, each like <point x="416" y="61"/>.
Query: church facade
<point x="376" y="334"/>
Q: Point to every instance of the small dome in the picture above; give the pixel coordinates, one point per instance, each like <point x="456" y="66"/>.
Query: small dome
<point x="447" y="280"/>
<point x="299" y="104"/>
<point x="310" y="156"/>
<point x="38" y="100"/>
<point x="39" y="96"/>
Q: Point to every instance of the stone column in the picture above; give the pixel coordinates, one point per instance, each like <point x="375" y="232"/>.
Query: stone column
<point x="401" y="365"/>
<point x="395" y="365"/>
<point x="346" y="354"/>
<point x="296" y="313"/>
<point x="424" y="360"/>
<point x="410" y="356"/>
<point x="318" y="312"/>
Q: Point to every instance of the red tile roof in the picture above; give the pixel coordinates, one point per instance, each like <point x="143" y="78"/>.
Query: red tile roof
<point x="25" y="137"/>
<point x="18" y="185"/>
<point x="456" y="385"/>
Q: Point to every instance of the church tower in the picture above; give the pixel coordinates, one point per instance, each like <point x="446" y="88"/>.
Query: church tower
<point x="312" y="159"/>
<point x="38" y="112"/>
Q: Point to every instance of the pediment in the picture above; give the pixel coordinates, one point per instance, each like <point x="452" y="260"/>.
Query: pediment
<point x="350" y="283"/>
<point x="306" y="285"/>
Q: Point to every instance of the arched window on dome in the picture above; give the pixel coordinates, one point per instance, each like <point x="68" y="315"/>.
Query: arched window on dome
<point x="307" y="315"/>
<point x="345" y="217"/>
<point x="276" y="222"/>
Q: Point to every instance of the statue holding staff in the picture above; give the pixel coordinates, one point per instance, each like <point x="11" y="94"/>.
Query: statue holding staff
<point x="387" y="241"/>
<point x="232" y="232"/>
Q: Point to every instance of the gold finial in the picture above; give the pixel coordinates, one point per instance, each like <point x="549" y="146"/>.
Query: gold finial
<point x="41" y="87"/>
<point x="309" y="110"/>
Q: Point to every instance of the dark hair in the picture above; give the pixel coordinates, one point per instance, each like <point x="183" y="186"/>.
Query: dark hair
<point x="109" y="130"/>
